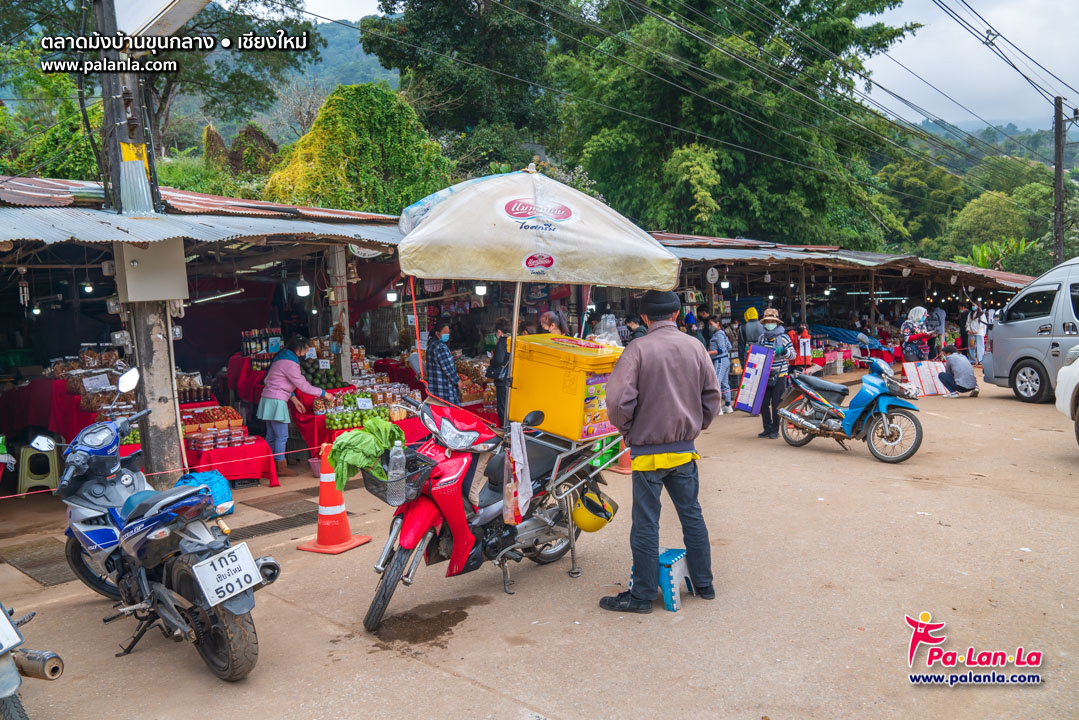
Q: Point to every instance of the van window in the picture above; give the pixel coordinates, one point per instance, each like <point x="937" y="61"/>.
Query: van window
<point x="1075" y="300"/>
<point x="1036" y="304"/>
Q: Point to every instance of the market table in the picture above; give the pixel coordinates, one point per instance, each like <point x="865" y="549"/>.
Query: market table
<point x="29" y="405"/>
<point x="251" y="460"/>
<point x="312" y="427"/>
<point x="248" y="383"/>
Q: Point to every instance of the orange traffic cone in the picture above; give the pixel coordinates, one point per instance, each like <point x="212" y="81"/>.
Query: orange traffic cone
<point x="625" y="463"/>
<point x="334" y="535"/>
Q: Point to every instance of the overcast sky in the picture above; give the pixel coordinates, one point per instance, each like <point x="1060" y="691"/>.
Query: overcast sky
<point x="946" y="55"/>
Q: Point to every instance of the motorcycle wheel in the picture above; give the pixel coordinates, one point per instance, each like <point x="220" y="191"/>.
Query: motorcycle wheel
<point x="391" y="578"/>
<point x="77" y="561"/>
<point x="227" y="643"/>
<point x="555" y="551"/>
<point x="905" y="440"/>
<point x="11" y="708"/>
<point x="792" y="434"/>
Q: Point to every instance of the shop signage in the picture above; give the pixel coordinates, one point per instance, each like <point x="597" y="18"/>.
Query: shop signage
<point x="364" y="404"/>
<point x="96" y="383"/>
<point x="525" y="209"/>
<point x="323" y="364"/>
<point x="538" y="263"/>
<point x="712" y="276"/>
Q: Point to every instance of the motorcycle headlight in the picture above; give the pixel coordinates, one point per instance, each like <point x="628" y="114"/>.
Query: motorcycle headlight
<point x="456" y="439"/>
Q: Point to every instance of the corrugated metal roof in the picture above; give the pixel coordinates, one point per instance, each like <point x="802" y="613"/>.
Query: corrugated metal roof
<point x="735" y="254"/>
<point x="1005" y="278"/>
<point x="869" y="259"/>
<point x="678" y="239"/>
<point x="46" y="192"/>
<point x="53" y="225"/>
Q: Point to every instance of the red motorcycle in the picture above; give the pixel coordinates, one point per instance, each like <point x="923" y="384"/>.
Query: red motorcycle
<point x="435" y="520"/>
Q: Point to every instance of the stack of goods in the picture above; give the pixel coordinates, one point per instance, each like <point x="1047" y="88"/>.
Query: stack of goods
<point x="218" y="438"/>
<point x="319" y="375"/>
<point x="472" y="374"/>
<point x="374" y="400"/>
<point x="261" y="345"/>
<point x="215" y="418"/>
<point x="190" y="389"/>
<point x="360" y="364"/>
<point x="340" y="419"/>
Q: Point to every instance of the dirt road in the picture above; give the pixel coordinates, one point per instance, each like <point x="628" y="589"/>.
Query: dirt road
<point x="818" y="555"/>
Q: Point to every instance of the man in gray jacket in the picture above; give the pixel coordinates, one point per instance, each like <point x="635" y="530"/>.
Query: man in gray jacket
<point x="661" y="394"/>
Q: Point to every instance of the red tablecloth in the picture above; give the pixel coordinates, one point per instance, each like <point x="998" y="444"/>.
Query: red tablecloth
<point x="30" y="404"/>
<point x="235" y="463"/>
<point x="198" y="405"/>
<point x="246" y="382"/>
<point x="412" y="428"/>
<point x="67" y="418"/>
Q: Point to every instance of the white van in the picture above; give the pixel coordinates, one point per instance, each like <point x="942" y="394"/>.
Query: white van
<point x="1033" y="333"/>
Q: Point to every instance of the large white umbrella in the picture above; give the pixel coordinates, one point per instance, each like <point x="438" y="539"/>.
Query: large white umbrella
<point x="525" y="227"/>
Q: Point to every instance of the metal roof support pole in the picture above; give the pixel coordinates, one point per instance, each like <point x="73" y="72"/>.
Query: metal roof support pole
<point x="802" y="287"/>
<point x="339" y="306"/>
<point x="872" y="300"/>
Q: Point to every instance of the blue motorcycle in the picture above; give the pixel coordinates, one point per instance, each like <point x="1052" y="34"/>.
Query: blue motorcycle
<point x="880" y="413"/>
<point x="165" y="556"/>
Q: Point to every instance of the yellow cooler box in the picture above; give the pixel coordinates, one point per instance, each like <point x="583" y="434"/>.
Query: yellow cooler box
<point x="566" y="378"/>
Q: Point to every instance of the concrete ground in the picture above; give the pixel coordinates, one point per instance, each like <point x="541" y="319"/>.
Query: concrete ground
<point x="818" y="555"/>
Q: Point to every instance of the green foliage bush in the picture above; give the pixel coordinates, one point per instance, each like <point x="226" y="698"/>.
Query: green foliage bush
<point x="365" y="151"/>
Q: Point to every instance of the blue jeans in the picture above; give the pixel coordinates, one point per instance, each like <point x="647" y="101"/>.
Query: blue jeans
<point x="948" y="381"/>
<point x="723" y="374"/>
<point x="682" y="485"/>
<point x="277" y="436"/>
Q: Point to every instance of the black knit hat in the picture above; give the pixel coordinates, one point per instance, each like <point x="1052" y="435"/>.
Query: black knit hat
<point x="656" y="304"/>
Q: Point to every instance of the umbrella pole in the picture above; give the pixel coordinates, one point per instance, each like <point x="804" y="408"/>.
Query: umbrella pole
<point x="513" y="350"/>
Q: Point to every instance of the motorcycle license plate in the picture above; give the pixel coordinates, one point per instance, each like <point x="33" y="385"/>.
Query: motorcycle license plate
<point x="227" y="574"/>
<point x="10" y="637"/>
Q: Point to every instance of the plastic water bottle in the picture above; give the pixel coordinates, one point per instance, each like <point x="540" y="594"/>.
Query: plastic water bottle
<point x="395" y="488"/>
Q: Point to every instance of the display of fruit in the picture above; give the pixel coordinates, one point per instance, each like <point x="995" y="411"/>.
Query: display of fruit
<point x="346" y="419"/>
<point x="216" y="414"/>
<point x="327" y="379"/>
<point x="132" y="438"/>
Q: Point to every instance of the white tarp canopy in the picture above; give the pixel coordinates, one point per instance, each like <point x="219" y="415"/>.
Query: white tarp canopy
<point x="525" y="227"/>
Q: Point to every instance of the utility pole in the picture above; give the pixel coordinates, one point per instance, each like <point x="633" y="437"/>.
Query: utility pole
<point x="1060" y="135"/>
<point x="124" y="141"/>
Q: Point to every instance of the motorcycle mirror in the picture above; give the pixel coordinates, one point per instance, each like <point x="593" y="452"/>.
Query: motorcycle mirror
<point x="128" y="381"/>
<point x="43" y="444"/>
<point x="533" y="419"/>
<point x="863" y="339"/>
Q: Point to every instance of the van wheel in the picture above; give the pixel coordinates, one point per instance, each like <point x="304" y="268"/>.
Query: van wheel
<point x="1030" y="382"/>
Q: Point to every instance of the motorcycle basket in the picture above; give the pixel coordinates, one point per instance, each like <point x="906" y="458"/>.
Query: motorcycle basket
<point x="417" y="471"/>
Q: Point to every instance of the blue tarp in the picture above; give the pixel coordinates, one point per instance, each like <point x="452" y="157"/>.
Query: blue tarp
<point x="844" y="336"/>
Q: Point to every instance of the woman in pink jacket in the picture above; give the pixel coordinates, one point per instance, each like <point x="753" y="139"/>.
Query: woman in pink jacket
<point x="284" y="379"/>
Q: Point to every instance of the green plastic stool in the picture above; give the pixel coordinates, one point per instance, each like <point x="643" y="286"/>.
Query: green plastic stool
<point x="28" y="479"/>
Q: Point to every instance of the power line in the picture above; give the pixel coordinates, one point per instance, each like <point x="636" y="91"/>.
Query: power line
<point x="37" y="20"/>
<point x="1028" y="57"/>
<point x="671" y="126"/>
<point x="28" y="138"/>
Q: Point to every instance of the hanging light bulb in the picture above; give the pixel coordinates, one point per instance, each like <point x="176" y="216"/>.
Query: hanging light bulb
<point x="303" y="288"/>
<point x="87" y="288"/>
<point x="36" y="310"/>
<point x="391" y="296"/>
<point x="792" y="284"/>
<point x="934" y="293"/>
<point x="767" y="277"/>
<point x="314" y="311"/>
<point x="771" y="297"/>
<point x="481" y="289"/>
<point x="724" y="284"/>
<point x="827" y="292"/>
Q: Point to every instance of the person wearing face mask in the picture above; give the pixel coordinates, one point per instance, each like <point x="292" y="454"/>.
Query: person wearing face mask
<point x="775" y="337"/>
<point x="441" y="370"/>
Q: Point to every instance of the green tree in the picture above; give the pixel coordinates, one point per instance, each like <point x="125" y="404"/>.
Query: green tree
<point x="988" y="218"/>
<point x="499" y="36"/>
<point x="926" y="197"/>
<point x="365" y="151"/>
<point x="683" y="181"/>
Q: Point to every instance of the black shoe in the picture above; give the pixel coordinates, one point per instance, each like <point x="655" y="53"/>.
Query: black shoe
<point x="773" y="436"/>
<point x="763" y="434"/>
<point x="708" y="592"/>
<point x="624" y="602"/>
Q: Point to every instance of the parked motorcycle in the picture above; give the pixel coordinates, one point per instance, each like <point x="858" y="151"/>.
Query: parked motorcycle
<point x="17" y="662"/>
<point x="437" y="523"/>
<point x="880" y="413"/>
<point x="164" y="556"/>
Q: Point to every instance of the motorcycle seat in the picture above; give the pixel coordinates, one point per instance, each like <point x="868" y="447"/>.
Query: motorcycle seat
<point x="541" y="460"/>
<point x="143" y="501"/>
<point x="821" y="385"/>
